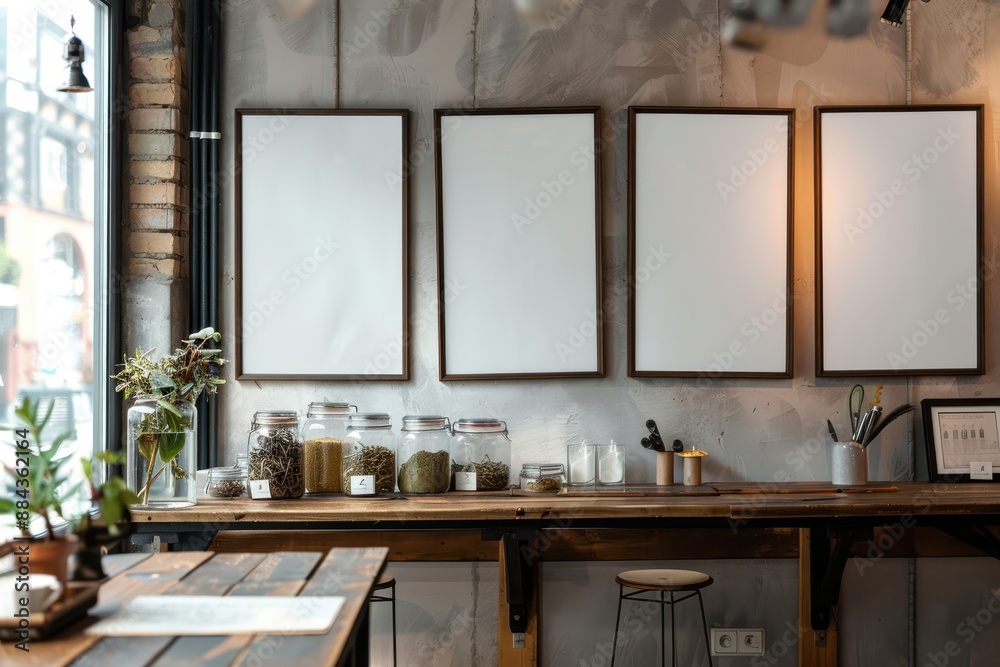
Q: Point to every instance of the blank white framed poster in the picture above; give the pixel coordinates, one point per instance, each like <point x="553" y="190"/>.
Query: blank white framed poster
<point x="519" y="243"/>
<point x="899" y="215"/>
<point x="321" y="244"/>
<point x="710" y="242"/>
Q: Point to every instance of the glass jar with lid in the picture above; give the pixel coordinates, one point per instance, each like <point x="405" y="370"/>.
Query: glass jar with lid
<point x="268" y="414"/>
<point x="369" y="457"/>
<point x="323" y="433"/>
<point x="542" y="477"/>
<point x="226" y="483"/>
<point x="275" y="456"/>
<point x="424" y="454"/>
<point x="480" y="455"/>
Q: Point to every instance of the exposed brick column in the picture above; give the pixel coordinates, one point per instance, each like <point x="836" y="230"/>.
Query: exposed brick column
<point x="155" y="232"/>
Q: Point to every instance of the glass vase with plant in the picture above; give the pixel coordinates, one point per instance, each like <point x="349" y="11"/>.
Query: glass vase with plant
<point x="162" y="441"/>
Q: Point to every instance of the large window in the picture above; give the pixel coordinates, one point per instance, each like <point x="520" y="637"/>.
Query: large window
<point x="55" y="184"/>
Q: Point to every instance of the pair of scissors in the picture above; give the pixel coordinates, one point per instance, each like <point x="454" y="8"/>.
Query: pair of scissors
<point x="854" y="408"/>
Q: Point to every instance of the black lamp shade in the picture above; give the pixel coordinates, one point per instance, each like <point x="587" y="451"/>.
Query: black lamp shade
<point x="76" y="80"/>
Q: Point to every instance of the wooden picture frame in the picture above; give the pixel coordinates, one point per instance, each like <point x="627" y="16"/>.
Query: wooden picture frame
<point x="322" y="244"/>
<point x="960" y="435"/>
<point x="519" y="243"/>
<point x="899" y="241"/>
<point x="710" y="242"/>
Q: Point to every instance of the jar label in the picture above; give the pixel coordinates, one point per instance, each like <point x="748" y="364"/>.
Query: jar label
<point x="465" y="481"/>
<point x="260" y="489"/>
<point x="362" y="485"/>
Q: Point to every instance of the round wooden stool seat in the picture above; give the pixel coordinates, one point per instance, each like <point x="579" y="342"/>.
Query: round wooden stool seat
<point x="385" y="581"/>
<point x="672" y="587"/>
<point x="664" y="580"/>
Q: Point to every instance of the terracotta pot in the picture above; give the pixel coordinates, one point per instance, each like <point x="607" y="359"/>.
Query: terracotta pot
<point x="52" y="556"/>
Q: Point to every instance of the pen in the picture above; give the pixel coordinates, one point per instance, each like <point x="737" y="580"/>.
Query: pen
<point x="873" y="416"/>
<point x="862" y="427"/>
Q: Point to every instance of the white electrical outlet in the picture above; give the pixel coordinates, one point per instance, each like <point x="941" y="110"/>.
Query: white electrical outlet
<point x="737" y="641"/>
<point x="751" y="642"/>
<point x="724" y="641"/>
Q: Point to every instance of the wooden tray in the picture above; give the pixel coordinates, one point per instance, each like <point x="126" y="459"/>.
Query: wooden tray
<point x="637" y="491"/>
<point x="77" y="599"/>
<point x="802" y="487"/>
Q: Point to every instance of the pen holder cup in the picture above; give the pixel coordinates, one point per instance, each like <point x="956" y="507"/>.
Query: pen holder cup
<point x="848" y="464"/>
<point x="664" y="468"/>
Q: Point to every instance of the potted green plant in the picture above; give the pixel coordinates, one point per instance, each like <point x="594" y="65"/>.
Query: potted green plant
<point x="162" y="440"/>
<point x="41" y="484"/>
<point x="110" y="523"/>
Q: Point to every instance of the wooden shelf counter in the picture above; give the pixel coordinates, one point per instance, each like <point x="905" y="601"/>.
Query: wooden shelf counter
<point x="817" y="523"/>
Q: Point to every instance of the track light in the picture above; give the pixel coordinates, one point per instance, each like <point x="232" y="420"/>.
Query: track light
<point x="894" y="11"/>
<point x="76" y="80"/>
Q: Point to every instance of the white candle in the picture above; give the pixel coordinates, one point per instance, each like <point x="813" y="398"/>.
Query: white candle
<point x="581" y="464"/>
<point x="611" y="465"/>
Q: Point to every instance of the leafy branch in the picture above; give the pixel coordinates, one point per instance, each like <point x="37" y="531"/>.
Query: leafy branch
<point x="176" y="378"/>
<point x="181" y="376"/>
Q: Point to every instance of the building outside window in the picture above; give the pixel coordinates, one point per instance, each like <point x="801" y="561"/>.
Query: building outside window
<point x="54" y="207"/>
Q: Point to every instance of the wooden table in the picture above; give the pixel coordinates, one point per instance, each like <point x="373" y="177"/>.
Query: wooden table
<point x="817" y="523"/>
<point x="347" y="572"/>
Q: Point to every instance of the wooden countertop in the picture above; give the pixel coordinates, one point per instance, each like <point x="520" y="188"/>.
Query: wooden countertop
<point x="747" y="502"/>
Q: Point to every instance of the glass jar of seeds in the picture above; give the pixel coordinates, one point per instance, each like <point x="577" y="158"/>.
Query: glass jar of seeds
<point x="323" y="433"/>
<point x="369" y="456"/>
<point x="480" y="453"/>
<point x="424" y="454"/>
<point x="226" y="483"/>
<point x="275" y="457"/>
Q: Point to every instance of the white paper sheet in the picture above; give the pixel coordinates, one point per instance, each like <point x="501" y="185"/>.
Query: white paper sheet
<point x="170" y="615"/>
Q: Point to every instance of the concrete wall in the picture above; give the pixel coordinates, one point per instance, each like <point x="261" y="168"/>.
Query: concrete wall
<point x="423" y="54"/>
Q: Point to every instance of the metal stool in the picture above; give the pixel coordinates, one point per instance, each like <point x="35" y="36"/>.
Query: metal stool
<point x="663" y="581"/>
<point x="384" y="582"/>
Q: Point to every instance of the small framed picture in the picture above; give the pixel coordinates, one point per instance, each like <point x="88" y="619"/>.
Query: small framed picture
<point x="963" y="439"/>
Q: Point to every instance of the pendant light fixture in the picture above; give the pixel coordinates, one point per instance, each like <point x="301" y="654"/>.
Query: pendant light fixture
<point x="76" y="80"/>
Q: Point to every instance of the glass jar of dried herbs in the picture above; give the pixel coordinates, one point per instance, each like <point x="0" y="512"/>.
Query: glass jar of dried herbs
<point x="323" y="433"/>
<point x="275" y="457"/>
<point x="227" y="483"/>
<point x="369" y="456"/>
<point x="480" y="455"/>
<point x="424" y="453"/>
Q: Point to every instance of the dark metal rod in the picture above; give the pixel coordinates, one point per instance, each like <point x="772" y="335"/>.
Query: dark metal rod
<point x="212" y="206"/>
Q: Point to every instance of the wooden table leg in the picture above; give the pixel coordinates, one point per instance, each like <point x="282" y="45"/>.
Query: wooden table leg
<point x="507" y="655"/>
<point x="816" y="649"/>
